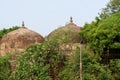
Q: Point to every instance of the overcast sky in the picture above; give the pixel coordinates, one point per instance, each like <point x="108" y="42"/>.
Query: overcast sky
<point x="43" y="16"/>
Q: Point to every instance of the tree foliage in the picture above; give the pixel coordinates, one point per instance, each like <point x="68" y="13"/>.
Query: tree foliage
<point x="92" y="69"/>
<point x="115" y="68"/>
<point x="71" y="70"/>
<point x="5" y="68"/>
<point x="40" y="62"/>
<point x="99" y="35"/>
<point x="103" y="34"/>
<point x="111" y="8"/>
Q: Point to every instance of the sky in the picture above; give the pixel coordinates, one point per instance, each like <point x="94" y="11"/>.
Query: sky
<point x="44" y="16"/>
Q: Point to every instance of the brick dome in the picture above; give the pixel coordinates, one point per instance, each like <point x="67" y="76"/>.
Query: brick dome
<point x="70" y="31"/>
<point x="19" y="39"/>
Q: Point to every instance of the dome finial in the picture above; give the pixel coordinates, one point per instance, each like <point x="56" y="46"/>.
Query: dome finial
<point x="71" y="19"/>
<point x="23" y="25"/>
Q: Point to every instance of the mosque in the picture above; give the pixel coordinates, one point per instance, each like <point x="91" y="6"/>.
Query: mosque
<point x="21" y="38"/>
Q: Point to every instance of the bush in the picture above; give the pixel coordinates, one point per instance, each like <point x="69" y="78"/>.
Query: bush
<point x="5" y="68"/>
<point x="40" y="62"/>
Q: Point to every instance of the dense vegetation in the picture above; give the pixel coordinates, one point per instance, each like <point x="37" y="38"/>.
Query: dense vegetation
<point x="103" y="34"/>
<point x="71" y="70"/>
<point x="99" y="35"/>
<point x="5" y="68"/>
<point x="40" y="62"/>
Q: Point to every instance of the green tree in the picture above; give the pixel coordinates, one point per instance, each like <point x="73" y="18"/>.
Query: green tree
<point x="103" y="35"/>
<point x="115" y="68"/>
<point x="5" y="68"/>
<point x="112" y="7"/>
<point x="92" y="69"/>
<point x="99" y="37"/>
<point x="40" y="62"/>
<point x="71" y="70"/>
